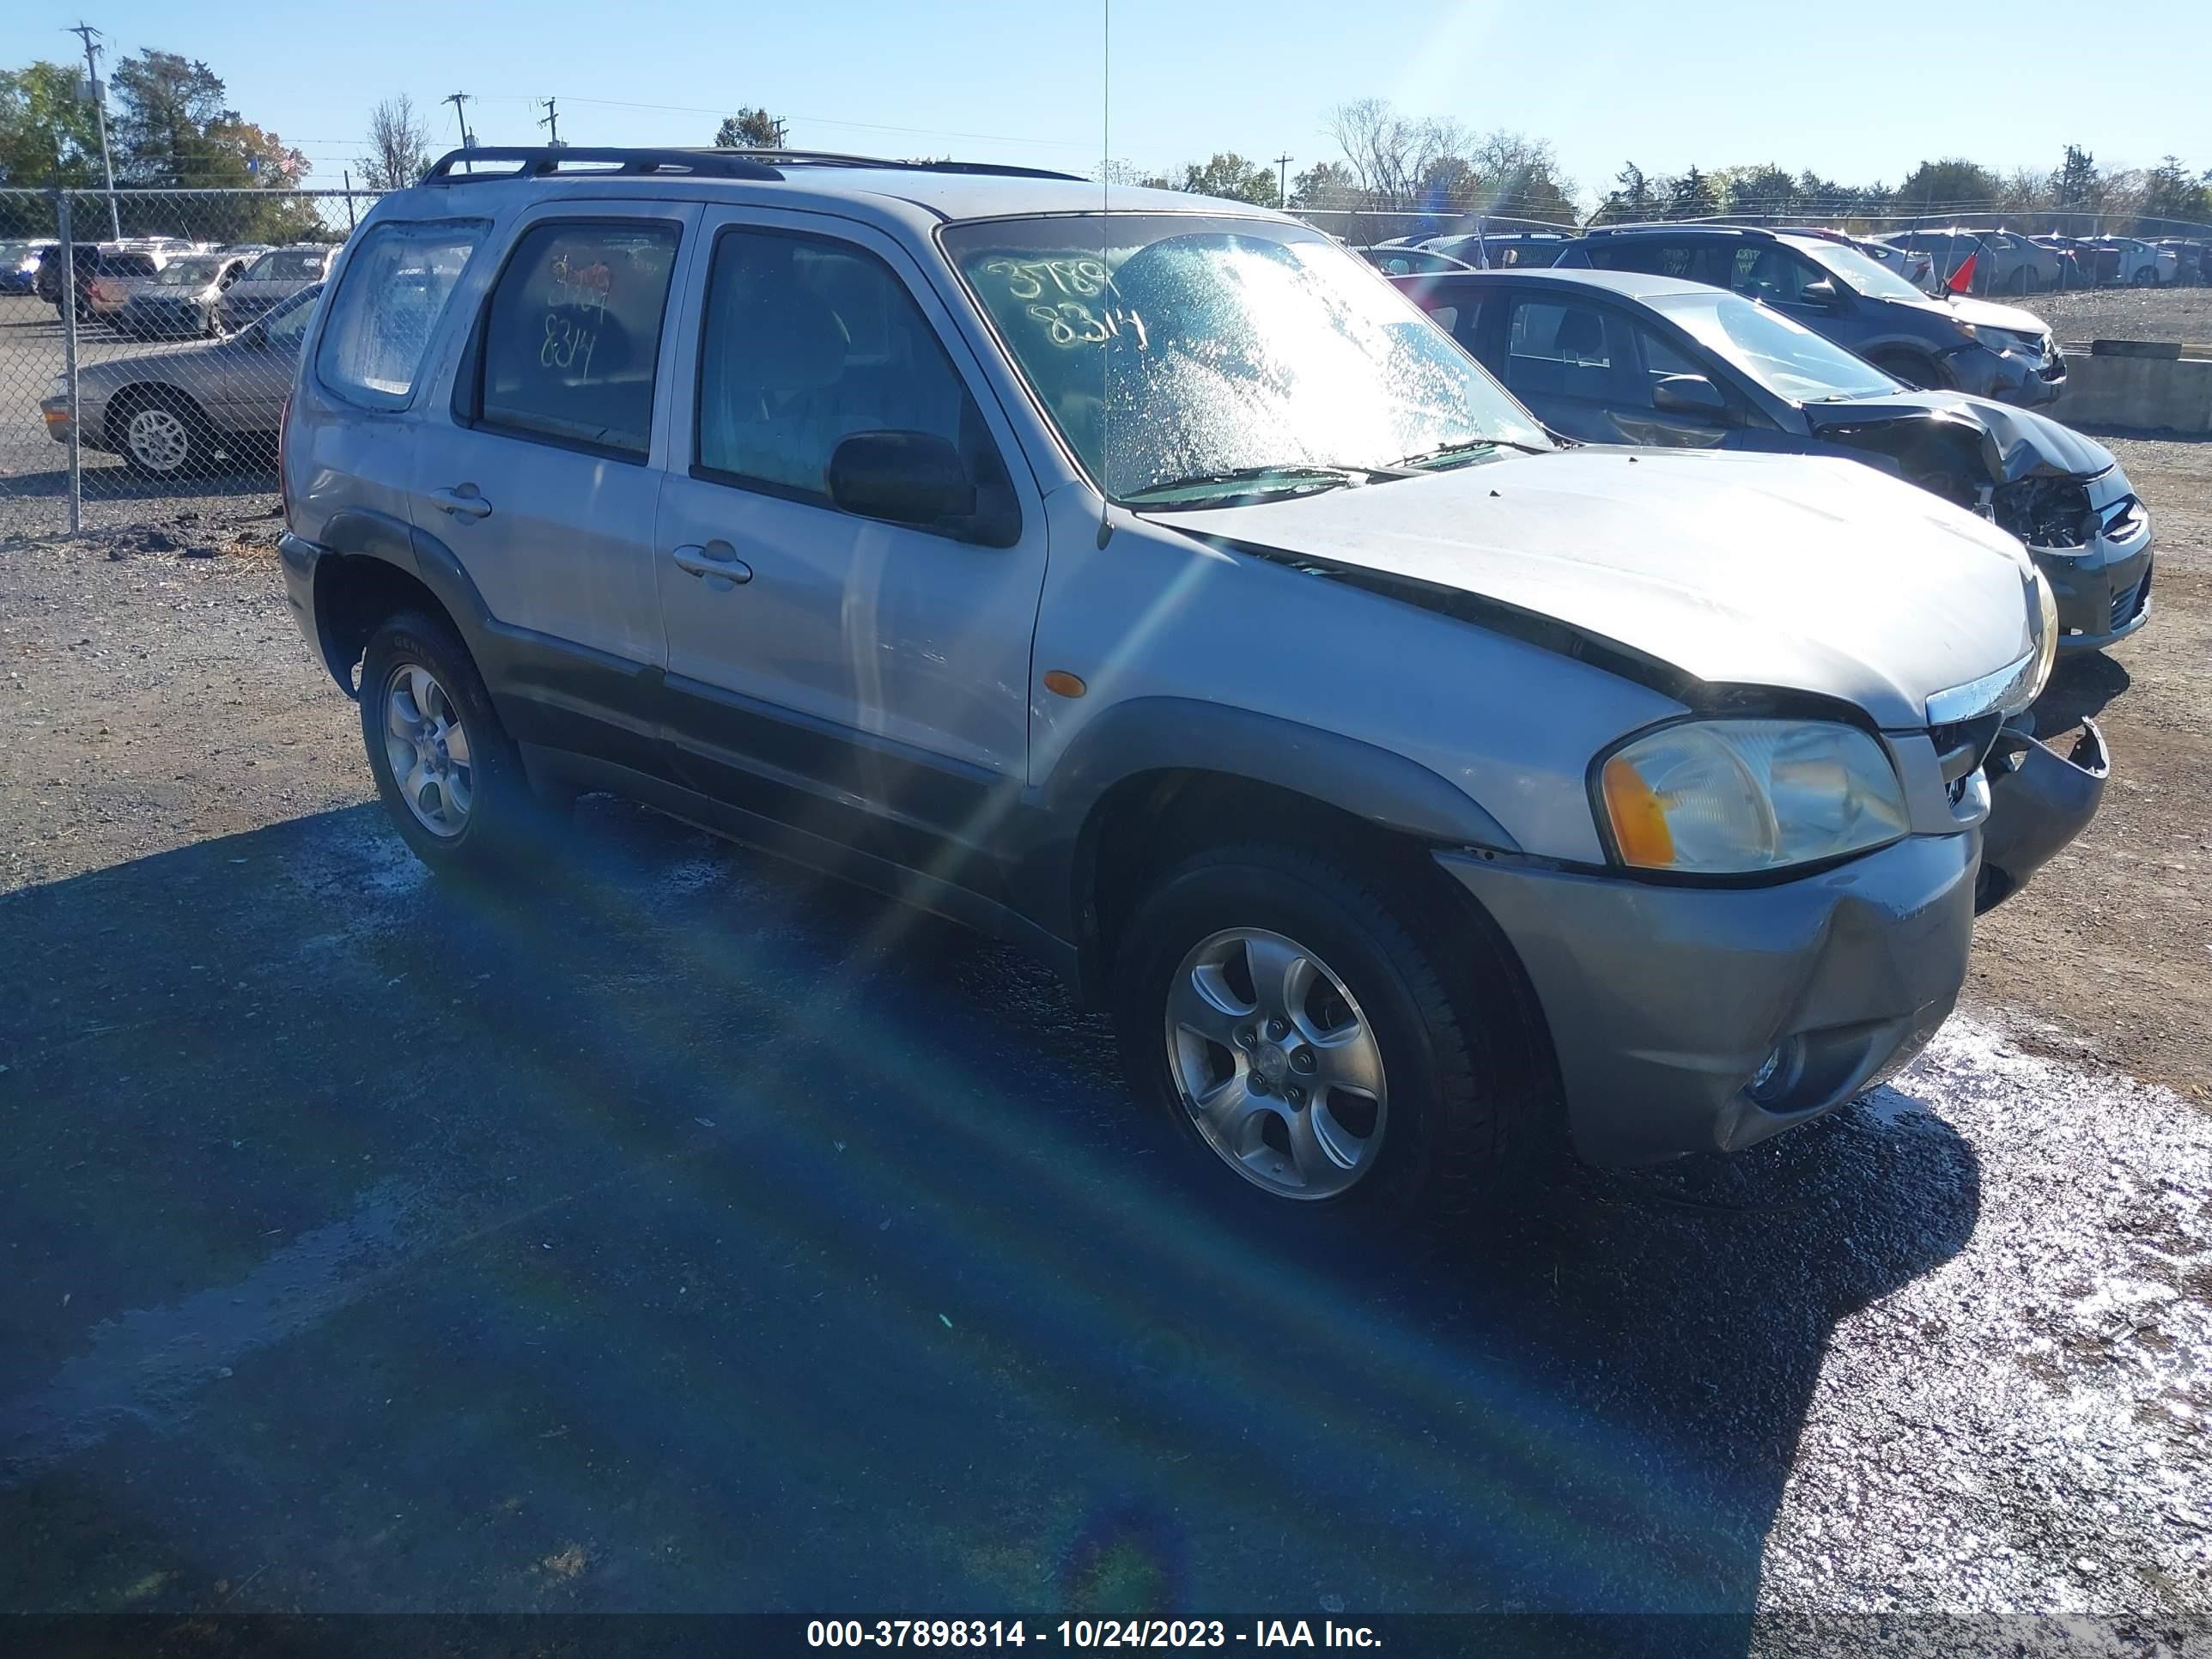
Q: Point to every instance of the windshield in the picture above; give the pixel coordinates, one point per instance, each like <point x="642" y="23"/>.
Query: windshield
<point x="1172" y="349"/>
<point x="1784" y="356"/>
<point x="189" y="273"/>
<point x="286" y="263"/>
<point x="1864" y="275"/>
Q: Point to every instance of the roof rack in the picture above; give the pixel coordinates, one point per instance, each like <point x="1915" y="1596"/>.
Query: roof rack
<point x="540" y="161"/>
<point x="837" y="159"/>
<point x="543" y="161"/>
<point x="1678" y="225"/>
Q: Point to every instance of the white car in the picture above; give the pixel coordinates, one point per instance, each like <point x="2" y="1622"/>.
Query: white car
<point x="2143" y="265"/>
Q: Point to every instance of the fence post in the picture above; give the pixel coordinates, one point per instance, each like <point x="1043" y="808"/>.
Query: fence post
<point x="68" y="358"/>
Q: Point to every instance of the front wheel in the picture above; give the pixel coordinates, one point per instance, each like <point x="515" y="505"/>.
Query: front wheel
<point x="1332" y="1041"/>
<point x="448" y="773"/>
<point x="166" y="438"/>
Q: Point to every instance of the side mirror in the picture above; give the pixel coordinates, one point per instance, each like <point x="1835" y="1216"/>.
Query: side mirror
<point x="1823" y="294"/>
<point x="1688" y="394"/>
<point x="905" y="477"/>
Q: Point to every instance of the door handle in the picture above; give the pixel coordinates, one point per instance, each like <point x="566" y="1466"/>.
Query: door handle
<point x="715" y="561"/>
<point x="462" y="502"/>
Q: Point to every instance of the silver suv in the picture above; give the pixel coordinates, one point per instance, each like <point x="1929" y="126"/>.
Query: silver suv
<point x="1158" y="590"/>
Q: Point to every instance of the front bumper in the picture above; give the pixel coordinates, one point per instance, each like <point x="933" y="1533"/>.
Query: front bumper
<point x="153" y="319"/>
<point x="1665" y="1003"/>
<point x="2010" y="377"/>
<point x="2103" y="586"/>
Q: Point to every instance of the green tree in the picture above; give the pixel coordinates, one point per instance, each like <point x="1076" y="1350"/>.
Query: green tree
<point x="2076" y="187"/>
<point x="1762" y="188"/>
<point x="1230" y="176"/>
<point x="1629" y="201"/>
<point x="1690" y="197"/>
<point x="1953" y="182"/>
<point x="47" y="136"/>
<point x="2170" y="192"/>
<point x="1326" y="186"/>
<point x="750" y="128"/>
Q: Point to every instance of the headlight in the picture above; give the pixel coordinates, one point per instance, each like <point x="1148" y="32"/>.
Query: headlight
<point x="1735" y="797"/>
<point x="2046" y="633"/>
<point x="60" y="388"/>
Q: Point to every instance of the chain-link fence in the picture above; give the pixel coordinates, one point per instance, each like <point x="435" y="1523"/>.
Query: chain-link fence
<point x="147" y="343"/>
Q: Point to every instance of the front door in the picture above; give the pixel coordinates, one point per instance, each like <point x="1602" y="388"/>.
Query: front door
<point x="865" y="681"/>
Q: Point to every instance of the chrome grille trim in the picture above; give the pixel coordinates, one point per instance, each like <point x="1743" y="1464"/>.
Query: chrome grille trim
<point x="2006" y="691"/>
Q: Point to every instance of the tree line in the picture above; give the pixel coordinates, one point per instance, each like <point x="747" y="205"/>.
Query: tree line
<point x="170" y="127"/>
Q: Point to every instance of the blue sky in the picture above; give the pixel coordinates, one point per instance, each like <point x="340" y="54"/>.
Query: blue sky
<point x="1856" y="92"/>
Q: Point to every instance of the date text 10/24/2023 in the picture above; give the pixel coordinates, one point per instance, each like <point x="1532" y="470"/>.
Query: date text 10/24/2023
<point x="1085" y="1633"/>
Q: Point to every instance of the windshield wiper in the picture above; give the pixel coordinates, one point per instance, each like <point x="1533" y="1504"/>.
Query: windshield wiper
<point x="1278" y="477"/>
<point x="1466" y="447"/>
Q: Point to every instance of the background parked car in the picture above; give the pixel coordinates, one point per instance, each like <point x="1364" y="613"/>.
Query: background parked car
<point x="1401" y="259"/>
<point x="170" y="414"/>
<point x="121" y="277"/>
<point x="1614" y="358"/>
<point x="2004" y="262"/>
<point x="185" y="297"/>
<point x="276" y="275"/>
<point x="2193" y="259"/>
<point x="1497" y="251"/>
<point x="19" y="263"/>
<point x="1961" y="344"/>
<point x="2077" y="267"/>
<point x="2140" y="264"/>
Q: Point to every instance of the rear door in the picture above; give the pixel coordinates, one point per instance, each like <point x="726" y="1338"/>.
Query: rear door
<point x="538" y="469"/>
<point x="865" y="681"/>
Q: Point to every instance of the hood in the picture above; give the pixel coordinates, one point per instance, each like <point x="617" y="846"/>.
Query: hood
<point x="1984" y="313"/>
<point x="2015" y="443"/>
<point x="1806" y="574"/>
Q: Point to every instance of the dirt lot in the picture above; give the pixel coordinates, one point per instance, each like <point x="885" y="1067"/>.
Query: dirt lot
<point x="2122" y="313"/>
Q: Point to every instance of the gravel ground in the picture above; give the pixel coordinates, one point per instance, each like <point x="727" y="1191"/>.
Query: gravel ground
<point x="683" y="1234"/>
<point x="2125" y="313"/>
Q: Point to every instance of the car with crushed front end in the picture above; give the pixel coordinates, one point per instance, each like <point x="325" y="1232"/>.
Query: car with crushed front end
<point x="1618" y="357"/>
<point x="1147" y="584"/>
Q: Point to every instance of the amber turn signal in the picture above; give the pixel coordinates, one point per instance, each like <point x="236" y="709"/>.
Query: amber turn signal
<point x="1063" y="684"/>
<point x="1639" y="822"/>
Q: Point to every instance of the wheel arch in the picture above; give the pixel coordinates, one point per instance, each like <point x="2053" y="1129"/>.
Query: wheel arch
<point x="127" y="400"/>
<point x="371" y="565"/>
<point x="1154" y="778"/>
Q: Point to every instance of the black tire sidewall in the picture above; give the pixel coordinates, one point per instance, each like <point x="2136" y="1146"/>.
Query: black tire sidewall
<point x="501" y="813"/>
<point x="1425" y="1052"/>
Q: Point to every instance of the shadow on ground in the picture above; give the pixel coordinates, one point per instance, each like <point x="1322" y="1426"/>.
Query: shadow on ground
<point x="671" y="1232"/>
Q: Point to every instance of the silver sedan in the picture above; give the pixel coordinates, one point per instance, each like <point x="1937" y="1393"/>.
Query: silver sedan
<point x="181" y="414"/>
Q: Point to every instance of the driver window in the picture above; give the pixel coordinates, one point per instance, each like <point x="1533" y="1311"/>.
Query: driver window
<point x="1773" y="274"/>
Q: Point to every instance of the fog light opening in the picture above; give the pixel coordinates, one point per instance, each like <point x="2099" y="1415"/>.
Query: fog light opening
<point x="1777" y="1074"/>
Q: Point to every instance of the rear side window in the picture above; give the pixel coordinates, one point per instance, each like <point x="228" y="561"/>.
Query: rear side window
<point x="395" y="289"/>
<point x="1652" y="258"/>
<point x="572" y="334"/>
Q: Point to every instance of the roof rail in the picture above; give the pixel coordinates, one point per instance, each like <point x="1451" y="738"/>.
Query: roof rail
<point x="1680" y="225"/>
<point x="838" y="159"/>
<point x="542" y="160"/>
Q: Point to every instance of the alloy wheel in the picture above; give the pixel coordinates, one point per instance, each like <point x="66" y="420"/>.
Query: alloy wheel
<point x="158" y="438"/>
<point x="428" y="748"/>
<point x="1276" y="1063"/>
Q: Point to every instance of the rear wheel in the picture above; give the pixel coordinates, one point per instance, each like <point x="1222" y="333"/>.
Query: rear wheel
<point x="449" y="775"/>
<point x="1326" y="1038"/>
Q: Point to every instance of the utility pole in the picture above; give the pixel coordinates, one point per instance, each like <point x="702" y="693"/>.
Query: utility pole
<point x="460" y="116"/>
<point x="86" y="33"/>
<point x="552" y="122"/>
<point x="1283" y="181"/>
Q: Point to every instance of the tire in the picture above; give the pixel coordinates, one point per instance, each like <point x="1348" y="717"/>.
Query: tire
<point x="1914" y="371"/>
<point x="478" y="818"/>
<point x="2143" y="277"/>
<point x="162" y="434"/>
<point x="1453" y="1124"/>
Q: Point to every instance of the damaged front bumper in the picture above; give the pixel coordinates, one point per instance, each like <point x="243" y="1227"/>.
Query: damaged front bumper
<point x="2103" y="583"/>
<point x="2039" y="800"/>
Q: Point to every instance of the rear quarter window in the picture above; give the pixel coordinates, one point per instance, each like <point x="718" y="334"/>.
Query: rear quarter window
<point x="393" y="292"/>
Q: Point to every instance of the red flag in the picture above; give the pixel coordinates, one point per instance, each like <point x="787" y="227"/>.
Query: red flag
<point x="1962" y="279"/>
